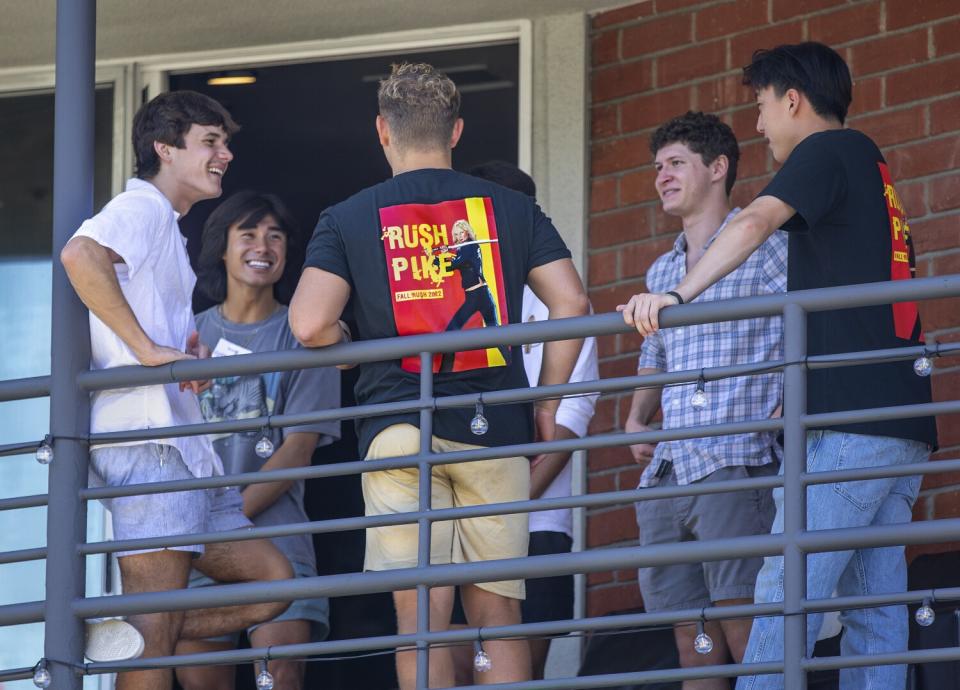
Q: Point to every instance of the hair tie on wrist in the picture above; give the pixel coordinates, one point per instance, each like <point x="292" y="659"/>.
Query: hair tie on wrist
<point x="674" y="293"/>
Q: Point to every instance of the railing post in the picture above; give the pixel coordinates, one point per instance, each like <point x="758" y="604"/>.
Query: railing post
<point x="794" y="496"/>
<point x="73" y="161"/>
<point x="423" y="524"/>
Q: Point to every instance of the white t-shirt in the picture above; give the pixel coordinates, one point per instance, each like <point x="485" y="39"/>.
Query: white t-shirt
<point x="575" y="413"/>
<point x="157" y="281"/>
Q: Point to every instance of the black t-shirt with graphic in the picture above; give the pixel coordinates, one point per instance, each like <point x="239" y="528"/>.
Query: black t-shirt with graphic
<point x="396" y="243"/>
<point x="850" y="228"/>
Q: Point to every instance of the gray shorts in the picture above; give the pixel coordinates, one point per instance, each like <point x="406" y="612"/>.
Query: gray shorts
<point x="701" y="518"/>
<point x="164" y="514"/>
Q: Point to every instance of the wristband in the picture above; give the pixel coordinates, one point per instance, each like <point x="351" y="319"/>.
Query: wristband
<point x="674" y="293"/>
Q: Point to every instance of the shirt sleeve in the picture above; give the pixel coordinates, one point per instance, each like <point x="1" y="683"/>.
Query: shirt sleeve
<point x="546" y="243"/>
<point x="576" y="412"/>
<point x="774" y="265"/>
<point x="130" y="225"/>
<point x="811" y="182"/>
<point x="652" y="353"/>
<point x="310" y="390"/>
<point x="326" y="250"/>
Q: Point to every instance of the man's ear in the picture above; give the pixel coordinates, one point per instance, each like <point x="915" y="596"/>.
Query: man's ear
<point x="719" y="167"/>
<point x="456" y="133"/>
<point x="794" y="99"/>
<point x="162" y="150"/>
<point x="383" y="131"/>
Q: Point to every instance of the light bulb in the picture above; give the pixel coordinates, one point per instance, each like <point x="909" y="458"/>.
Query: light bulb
<point x="703" y="643"/>
<point x="698" y="400"/>
<point x="41" y="676"/>
<point x="922" y="365"/>
<point x="264" y="447"/>
<point x="45" y="452"/>
<point x="479" y="424"/>
<point x="481" y="661"/>
<point x="264" y="678"/>
<point x="925" y="614"/>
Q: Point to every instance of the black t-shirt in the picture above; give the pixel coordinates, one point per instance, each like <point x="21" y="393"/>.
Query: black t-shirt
<point x="399" y="245"/>
<point x="850" y="228"/>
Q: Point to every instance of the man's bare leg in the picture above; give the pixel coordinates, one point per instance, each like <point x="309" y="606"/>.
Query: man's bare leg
<point x="725" y="646"/>
<point x="441" y="663"/>
<point x="736" y="631"/>
<point x="539" y="648"/>
<point x="287" y="673"/>
<point x="205" y="677"/>
<point x="511" y="658"/>
<point x="241" y="561"/>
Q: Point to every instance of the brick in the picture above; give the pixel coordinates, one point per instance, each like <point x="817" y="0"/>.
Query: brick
<point x="913" y="552"/>
<point x="744" y="123"/>
<point x="945" y="115"/>
<point x="944" y="193"/>
<point x="887" y="52"/>
<point x="636" y="259"/>
<point x="606" y="300"/>
<point x="946" y="505"/>
<point x="946" y="38"/>
<point x="894" y="126"/>
<point x="937" y="314"/>
<point x="604" y="121"/>
<point x="846" y="24"/>
<point x="630" y="343"/>
<point x="606" y="600"/>
<point x="619" y="154"/>
<point x="617" y="81"/>
<point x="621" y="366"/>
<point x="602" y="267"/>
<point x="629" y="575"/>
<point x="728" y="18"/>
<point x="638" y="187"/>
<point x="611" y="527"/>
<point x="937" y="481"/>
<point x="867" y="95"/>
<point x="628" y="480"/>
<point x="945" y="387"/>
<point x="753" y="159"/>
<point x="669" y="5"/>
<point x="599" y="578"/>
<point x="618" y="227"/>
<point x="605" y="48"/>
<point x="903" y="13"/>
<point x="784" y="9"/>
<point x="924" y="158"/>
<point x="946" y="265"/>
<point x="923" y="81"/>
<point x="608" y="347"/>
<point x="623" y="14"/>
<point x="724" y="92"/>
<point x="601" y="483"/>
<point x="691" y="63"/>
<point x="913" y="195"/>
<point x="945" y="362"/>
<point x="745" y="192"/>
<point x="653" y="109"/>
<point x="603" y="194"/>
<point x="602" y="421"/>
<point x="660" y="33"/>
<point x="665" y="225"/>
<point x="742" y="47"/>
<point x="608" y="458"/>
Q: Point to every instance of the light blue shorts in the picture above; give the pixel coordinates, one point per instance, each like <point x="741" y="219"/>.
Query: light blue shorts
<point x="316" y="611"/>
<point x="164" y="514"/>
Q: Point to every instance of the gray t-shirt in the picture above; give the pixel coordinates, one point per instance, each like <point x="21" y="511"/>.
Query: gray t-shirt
<point x="244" y="397"/>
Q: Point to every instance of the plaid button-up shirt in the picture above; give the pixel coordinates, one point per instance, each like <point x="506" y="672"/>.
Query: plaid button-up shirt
<point x="714" y="345"/>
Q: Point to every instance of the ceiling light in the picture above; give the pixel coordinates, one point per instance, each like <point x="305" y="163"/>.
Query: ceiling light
<point x="233" y="78"/>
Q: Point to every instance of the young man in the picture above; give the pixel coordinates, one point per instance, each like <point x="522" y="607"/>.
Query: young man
<point x="370" y="250"/>
<point x="129" y="266"/>
<point x="696" y="159"/>
<point x="835" y="195"/>
<point x="245" y="266"/>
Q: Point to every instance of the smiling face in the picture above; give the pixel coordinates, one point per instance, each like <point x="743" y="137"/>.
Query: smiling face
<point x="776" y="120"/>
<point x="683" y="180"/>
<point x="200" y="165"/>
<point x="255" y="256"/>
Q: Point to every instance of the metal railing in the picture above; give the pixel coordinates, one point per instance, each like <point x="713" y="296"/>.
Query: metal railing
<point x="794" y="543"/>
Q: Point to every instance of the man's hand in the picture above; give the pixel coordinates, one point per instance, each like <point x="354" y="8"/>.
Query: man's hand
<point x="642" y="452"/>
<point x="545" y="421"/>
<point x="197" y="350"/>
<point x="643" y="311"/>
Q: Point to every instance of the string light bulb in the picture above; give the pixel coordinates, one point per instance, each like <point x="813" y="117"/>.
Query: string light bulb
<point x="264" y="677"/>
<point x="45" y="451"/>
<point x="481" y="660"/>
<point x="925" y="615"/>
<point x="41" y="676"/>
<point x="702" y="643"/>
<point x="479" y="424"/>
<point x="923" y="365"/>
<point x="264" y="447"/>
<point x="699" y="400"/>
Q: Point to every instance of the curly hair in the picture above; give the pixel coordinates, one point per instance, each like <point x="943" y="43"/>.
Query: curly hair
<point x="245" y="209"/>
<point x="703" y="134"/>
<point x="420" y="104"/>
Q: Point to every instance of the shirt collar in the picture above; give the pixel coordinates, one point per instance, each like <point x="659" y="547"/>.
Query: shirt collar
<point x="680" y="245"/>
<point x="135" y="183"/>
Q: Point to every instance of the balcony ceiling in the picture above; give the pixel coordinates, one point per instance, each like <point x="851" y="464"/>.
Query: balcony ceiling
<point x="127" y="28"/>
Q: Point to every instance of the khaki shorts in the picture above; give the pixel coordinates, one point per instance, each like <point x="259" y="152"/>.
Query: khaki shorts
<point x="463" y="484"/>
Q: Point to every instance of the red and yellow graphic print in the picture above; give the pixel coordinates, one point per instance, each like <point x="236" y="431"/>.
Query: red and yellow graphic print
<point x="906" y="318"/>
<point x="445" y="273"/>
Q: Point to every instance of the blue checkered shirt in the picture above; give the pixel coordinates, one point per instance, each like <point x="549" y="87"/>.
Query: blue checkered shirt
<point x="716" y="345"/>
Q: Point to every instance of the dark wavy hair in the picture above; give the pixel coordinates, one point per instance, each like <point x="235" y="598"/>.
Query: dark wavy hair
<point x="246" y="209"/>
<point x="704" y="134"/>
<point x="814" y="69"/>
<point x="506" y="175"/>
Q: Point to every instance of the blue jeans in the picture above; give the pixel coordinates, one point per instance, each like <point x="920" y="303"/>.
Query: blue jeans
<point x="858" y="572"/>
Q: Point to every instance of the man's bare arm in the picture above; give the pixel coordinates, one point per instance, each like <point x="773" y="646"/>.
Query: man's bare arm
<point x="89" y="266"/>
<point x="295" y="451"/>
<point x="747" y="231"/>
<point x="545" y="468"/>
<point x="316" y="308"/>
<point x="643" y="407"/>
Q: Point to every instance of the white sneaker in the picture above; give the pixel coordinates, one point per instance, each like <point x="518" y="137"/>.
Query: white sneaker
<point x="112" y="640"/>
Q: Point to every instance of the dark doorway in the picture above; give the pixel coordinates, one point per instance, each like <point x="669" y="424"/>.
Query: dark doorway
<point x="308" y="136"/>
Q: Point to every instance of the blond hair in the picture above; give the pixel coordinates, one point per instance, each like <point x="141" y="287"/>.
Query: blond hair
<point x="420" y="104"/>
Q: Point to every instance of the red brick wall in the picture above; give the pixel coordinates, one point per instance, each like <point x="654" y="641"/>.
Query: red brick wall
<point x="656" y="59"/>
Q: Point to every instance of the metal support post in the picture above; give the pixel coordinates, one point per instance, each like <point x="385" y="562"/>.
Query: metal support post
<point x="423" y="524"/>
<point x="794" y="497"/>
<point x="73" y="162"/>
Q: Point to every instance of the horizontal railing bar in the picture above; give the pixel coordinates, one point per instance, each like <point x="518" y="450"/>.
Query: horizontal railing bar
<point x="35" y="554"/>
<point x="25" y="388"/>
<point x="18" y="502"/>
<point x="820" y="299"/>
<point x="18" y="448"/>
<point x="879" y="472"/>
<point x="915" y="596"/>
<point x="913" y="656"/>
<point x="20" y="614"/>
<point x="16" y="674"/>
<point x="879" y="414"/>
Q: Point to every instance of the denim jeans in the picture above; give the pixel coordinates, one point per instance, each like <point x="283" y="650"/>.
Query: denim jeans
<point x="857" y="572"/>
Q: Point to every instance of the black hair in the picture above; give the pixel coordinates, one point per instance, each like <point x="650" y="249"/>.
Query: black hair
<point x="169" y="116"/>
<point x="704" y="134"/>
<point x="246" y="208"/>
<point x="814" y="69"/>
<point x="507" y="175"/>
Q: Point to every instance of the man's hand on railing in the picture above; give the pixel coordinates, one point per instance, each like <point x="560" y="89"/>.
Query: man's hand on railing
<point x="643" y="311"/>
<point x="642" y="452"/>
